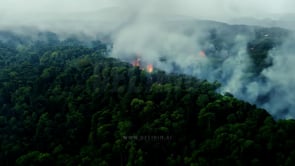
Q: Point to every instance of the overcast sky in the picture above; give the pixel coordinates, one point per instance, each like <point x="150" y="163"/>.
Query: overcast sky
<point x="109" y="15"/>
<point x="195" y="8"/>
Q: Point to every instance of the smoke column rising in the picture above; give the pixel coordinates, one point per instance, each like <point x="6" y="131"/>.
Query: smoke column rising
<point x="155" y="29"/>
<point x="153" y="37"/>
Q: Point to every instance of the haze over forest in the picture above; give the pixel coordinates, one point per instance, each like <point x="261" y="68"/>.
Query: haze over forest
<point x="158" y="82"/>
<point x="155" y="29"/>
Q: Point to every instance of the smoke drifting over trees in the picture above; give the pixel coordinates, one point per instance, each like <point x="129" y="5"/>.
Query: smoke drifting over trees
<point x="166" y="35"/>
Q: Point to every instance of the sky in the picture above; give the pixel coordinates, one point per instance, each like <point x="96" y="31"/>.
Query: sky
<point x="42" y="12"/>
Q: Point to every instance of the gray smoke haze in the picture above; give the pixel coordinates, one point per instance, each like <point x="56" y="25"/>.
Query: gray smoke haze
<point x="166" y="29"/>
<point x="279" y="82"/>
<point x="104" y="15"/>
<point x="273" y="88"/>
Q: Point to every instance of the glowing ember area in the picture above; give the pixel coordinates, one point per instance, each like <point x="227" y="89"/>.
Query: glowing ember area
<point x="202" y="54"/>
<point x="136" y="62"/>
<point x="150" y="68"/>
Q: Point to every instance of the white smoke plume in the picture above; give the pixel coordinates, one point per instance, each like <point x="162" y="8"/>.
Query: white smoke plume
<point x="279" y="81"/>
<point x="165" y="33"/>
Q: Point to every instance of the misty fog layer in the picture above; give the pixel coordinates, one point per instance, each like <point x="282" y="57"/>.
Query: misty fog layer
<point x="91" y="16"/>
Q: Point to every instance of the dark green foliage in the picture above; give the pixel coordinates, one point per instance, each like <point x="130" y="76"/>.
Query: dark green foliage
<point x="68" y="105"/>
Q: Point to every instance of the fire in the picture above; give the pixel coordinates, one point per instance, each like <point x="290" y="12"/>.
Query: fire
<point x="136" y="62"/>
<point x="202" y="53"/>
<point x="150" y="68"/>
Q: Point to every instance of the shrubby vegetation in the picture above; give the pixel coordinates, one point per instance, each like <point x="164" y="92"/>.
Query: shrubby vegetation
<point x="63" y="103"/>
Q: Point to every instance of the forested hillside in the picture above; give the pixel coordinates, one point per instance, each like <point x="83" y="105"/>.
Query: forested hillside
<point x="66" y="103"/>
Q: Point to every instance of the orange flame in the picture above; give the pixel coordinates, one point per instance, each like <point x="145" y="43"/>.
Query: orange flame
<point x="150" y="68"/>
<point x="136" y="62"/>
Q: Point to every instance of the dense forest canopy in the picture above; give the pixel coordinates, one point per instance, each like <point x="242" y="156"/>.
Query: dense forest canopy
<point x="67" y="102"/>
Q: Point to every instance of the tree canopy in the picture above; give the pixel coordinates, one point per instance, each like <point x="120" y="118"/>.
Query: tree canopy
<point x="63" y="103"/>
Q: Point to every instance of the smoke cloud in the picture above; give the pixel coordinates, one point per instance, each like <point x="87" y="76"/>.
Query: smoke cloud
<point x="279" y="82"/>
<point x="166" y="34"/>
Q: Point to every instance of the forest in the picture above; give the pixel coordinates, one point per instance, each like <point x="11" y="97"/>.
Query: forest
<point x="64" y="102"/>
